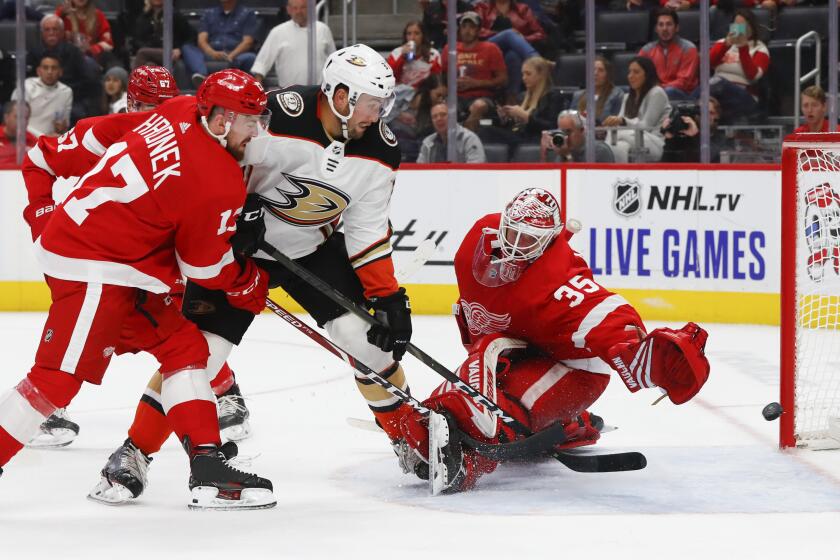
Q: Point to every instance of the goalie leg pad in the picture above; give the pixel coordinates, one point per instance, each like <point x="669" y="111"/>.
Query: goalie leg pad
<point x="671" y="359"/>
<point x="550" y="392"/>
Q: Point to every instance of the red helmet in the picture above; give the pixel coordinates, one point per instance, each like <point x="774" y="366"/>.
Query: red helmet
<point x="232" y="89"/>
<point x="529" y="223"/>
<point x="152" y="85"/>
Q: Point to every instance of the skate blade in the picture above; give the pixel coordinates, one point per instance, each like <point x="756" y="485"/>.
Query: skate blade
<point x="238" y="432"/>
<point x="110" y="494"/>
<point x="206" y="498"/>
<point x="59" y="437"/>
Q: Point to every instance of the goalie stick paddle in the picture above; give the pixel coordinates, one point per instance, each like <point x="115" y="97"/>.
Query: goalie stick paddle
<point x="626" y="461"/>
<point x="533" y="446"/>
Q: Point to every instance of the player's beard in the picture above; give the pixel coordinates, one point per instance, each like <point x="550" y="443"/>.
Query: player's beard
<point x="237" y="151"/>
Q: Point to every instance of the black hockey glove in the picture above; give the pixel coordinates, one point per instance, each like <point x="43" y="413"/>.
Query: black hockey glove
<point x="394" y="312"/>
<point x="250" y="227"/>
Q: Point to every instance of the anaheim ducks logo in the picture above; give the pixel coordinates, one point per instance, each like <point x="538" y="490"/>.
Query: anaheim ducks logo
<point x="387" y="134"/>
<point x="306" y="202"/>
<point x="481" y="321"/>
<point x="357" y="60"/>
<point x="291" y="102"/>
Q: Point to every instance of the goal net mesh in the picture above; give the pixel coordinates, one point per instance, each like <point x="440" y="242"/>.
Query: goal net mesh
<point x="817" y="344"/>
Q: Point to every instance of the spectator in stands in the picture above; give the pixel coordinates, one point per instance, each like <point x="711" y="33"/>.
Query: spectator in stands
<point x="536" y="111"/>
<point x="570" y="143"/>
<point x="226" y="34"/>
<point x="77" y="71"/>
<point x="430" y="92"/>
<point x="416" y="59"/>
<point x="482" y="74"/>
<point x="8" y="135"/>
<point x="645" y="107"/>
<point x="675" y="58"/>
<point x="434" y="18"/>
<point x="512" y="27"/>
<point x="814" y="110"/>
<point x="86" y="27"/>
<point x="433" y="150"/>
<point x="286" y="46"/>
<point x="684" y="145"/>
<point x="49" y="100"/>
<point x="147" y="38"/>
<point x="608" y="98"/>
<point x="567" y="18"/>
<point x="115" y="88"/>
<point x="739" y="61"/>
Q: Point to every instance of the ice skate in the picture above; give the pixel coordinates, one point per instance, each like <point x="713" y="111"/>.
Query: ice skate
<point x="124" y="476"/>
<point x="56" y="431"/>
<point x="215" y="484"/>
<point x="233" y="415"/>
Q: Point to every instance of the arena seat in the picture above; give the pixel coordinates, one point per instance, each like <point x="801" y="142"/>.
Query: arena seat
<point x="496" y="153"/>
<point x="794" y="22"/>
<point x="620" y="63"/>
<point x="570" y="70"/>
<point x="630" y="28"/>
<point x="527" y="153"/>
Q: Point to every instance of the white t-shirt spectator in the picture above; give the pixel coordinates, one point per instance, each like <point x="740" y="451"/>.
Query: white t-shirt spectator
<point x="120" y="105"/>
<point x="47" y="104"/>
<point x="285" y="48"/>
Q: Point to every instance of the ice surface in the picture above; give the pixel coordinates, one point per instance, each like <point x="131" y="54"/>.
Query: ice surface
<point x="716" y="485"/>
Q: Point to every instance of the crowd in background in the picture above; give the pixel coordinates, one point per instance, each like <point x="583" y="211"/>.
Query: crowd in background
<point x="504" y="79"/>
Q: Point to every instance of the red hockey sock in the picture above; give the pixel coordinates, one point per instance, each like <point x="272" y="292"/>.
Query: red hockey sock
<point x="223" y="381"/>
<point x="150" y="428"/>
<point x="390" y="421"/>
<point x="196" y="419"/>
<point x="9" y="446"/>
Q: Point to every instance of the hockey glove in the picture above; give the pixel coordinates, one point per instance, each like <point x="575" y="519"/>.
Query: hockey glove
<point x="250" y="289"/>
<point x="394" y="314"/>
<point x="37" y="218"/>
<point x="250" y="227"/>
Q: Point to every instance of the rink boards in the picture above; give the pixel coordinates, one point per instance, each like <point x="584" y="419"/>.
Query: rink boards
<point x="679" y="242"/>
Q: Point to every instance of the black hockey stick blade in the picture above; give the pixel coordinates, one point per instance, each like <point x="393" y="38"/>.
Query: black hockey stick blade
<point x="533" y="446"/>
<point x="603" y="462"/>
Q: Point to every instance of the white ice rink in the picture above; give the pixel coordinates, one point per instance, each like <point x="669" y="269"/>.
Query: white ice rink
<point x="716" y="486"/>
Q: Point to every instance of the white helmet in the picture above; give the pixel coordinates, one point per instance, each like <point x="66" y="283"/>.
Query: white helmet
<point x="363" y="71"/>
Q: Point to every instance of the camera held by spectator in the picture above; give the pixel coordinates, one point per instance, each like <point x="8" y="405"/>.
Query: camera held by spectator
<point x="682" y="120"/>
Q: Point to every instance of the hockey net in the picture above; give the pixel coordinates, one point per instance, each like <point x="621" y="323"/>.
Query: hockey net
<point x="810" y="333"/>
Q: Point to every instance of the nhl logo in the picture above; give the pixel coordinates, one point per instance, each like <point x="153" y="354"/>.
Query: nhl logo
<point x="48" y="336"/>
<point x="627" y="199"/>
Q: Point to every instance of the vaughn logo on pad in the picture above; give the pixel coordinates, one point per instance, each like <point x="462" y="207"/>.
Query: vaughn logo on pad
<point x="627" y="197"/>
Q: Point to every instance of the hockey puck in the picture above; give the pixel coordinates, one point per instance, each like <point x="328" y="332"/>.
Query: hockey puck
<point x="772" y="411"/>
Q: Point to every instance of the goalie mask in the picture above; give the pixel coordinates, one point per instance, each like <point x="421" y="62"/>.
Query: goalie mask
<point x="529" y="223"/>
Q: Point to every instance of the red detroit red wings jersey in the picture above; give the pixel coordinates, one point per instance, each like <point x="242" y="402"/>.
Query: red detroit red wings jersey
<point x="161" y="202"/>
<point x="70" y="155"/>
<point x="555" y="304"/>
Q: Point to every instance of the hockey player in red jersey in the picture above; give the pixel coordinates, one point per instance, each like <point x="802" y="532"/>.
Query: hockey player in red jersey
<point x="542" y="338"/>
<point x="328" y="157"/>
<point x="161" y="203"/>
<point x="72" y="155"/>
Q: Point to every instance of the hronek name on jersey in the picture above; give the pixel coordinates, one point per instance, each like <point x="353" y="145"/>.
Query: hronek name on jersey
<point x="159" y="135"/>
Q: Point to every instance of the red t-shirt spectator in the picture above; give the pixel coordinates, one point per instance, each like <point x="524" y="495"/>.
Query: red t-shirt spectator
<point x="804" y="128"/>
<point x="482" y="61"/>
<point x="96" y="31"/>
<point x="521" y="19"/>
<point x="8" y="148"/>
<point x="676" y="63"/>
<point x="742" y="3"/>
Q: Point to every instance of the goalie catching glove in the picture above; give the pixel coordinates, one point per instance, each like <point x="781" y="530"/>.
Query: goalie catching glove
<point x="394" y="315"/>
<point x="673" y="360"/>
<point x="250" y="288"/>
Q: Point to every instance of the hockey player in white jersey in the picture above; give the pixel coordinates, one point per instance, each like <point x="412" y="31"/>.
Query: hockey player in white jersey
<point x="327" y="156"/>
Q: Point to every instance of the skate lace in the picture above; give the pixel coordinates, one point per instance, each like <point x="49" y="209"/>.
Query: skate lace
<point x="242" y="461"/>
<point x="229" y="405"/>
<point x="133" y="460"/>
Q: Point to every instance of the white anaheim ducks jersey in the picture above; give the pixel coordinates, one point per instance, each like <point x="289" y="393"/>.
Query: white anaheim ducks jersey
<point x="308" y="182"/>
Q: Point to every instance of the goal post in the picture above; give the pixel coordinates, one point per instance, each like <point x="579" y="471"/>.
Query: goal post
<point x="810" y="292"/>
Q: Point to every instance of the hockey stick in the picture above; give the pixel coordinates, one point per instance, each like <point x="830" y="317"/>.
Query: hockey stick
<point x="536" y="445"/>
<point x="626" y="461"/>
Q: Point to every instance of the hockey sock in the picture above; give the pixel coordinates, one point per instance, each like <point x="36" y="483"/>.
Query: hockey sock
<point x="191" y="406"/>
<point x="387" y="408"/>
<point x="26" y="406"/>
<point x="150" y="428"/>
<point x="223" y="381"/>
